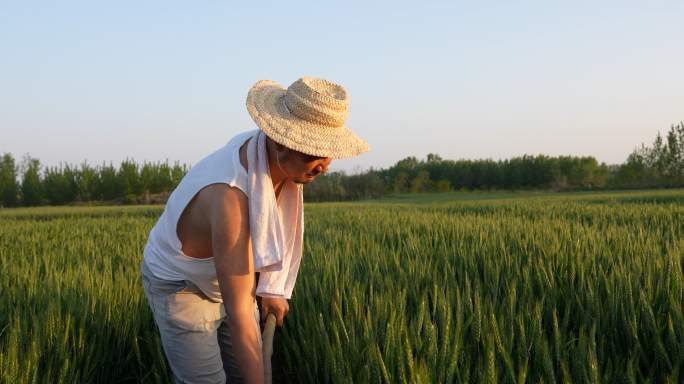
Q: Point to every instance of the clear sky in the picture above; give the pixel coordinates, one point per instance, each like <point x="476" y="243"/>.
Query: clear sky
<point x="156" y="80"/>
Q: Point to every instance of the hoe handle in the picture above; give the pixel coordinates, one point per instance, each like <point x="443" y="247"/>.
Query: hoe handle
<point x="267" y="347"/>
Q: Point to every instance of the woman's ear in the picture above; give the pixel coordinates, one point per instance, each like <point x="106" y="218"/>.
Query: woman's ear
<point x="278" y="147"/>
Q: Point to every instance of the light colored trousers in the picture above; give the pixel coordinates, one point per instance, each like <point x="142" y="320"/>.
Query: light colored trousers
<point x="194" y="331"/>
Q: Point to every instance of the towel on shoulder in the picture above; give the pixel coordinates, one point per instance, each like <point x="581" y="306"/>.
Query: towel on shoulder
<point x="277" y="230"/>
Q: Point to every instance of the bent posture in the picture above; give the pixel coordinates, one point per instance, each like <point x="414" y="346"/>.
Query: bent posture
<point x="237" y="212"/>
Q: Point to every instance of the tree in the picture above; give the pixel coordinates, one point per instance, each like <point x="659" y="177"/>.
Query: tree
<point x="673" y="155"/>
<point x="434" y="158"/>
<point x="661" y="163"/>
<point x="86" y="179"/>
<point x="128" y="179"/>
<point x="108" y="186"/>
<point x="444" y="186"/>
<point x="399" y="182"/>
<point x="177" y="174"/>
<point x="655" y="158"/>
<point x="634" y="170"/>
<point x="31" y="187"/>
<point x="60" y="185"/>
<point x="421" y="183"/>
<point x="9" y="189"/>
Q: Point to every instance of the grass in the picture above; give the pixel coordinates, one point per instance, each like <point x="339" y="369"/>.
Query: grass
<point x="431" y="198"/>
<point x="576" y="287"/>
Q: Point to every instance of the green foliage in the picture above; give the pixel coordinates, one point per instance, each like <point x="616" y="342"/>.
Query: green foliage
<point x="157" y="178"/>
<point x="438" y="175"/>
<point x="87" y="179"/>
<point x="400" y="182"/>
<point x="177" y="173"/>
<point x="488" y="288"/>
<point x="338" y="186"/>
<point x="109" y="187"/>
<point x="659" y="165"/>
<point x="68" y="184"/>
<point x="60" y="185"/>
<point x="571" y="288"/>
<point x="31" y="186"/>
<point x="9" y="188"/>
<point x="72" y="308"/>
<point x="128" y="179"/>
<point x="634" y="171"/>
<point x="663" y="163"/>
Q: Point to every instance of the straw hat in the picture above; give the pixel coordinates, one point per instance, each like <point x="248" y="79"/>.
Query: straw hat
<point x="308" y="117"/>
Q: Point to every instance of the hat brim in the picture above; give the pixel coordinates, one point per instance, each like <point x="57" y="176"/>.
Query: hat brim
<point x="265" y="105"/>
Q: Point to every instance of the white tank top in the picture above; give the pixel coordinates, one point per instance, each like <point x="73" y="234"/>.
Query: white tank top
<point x="163" y="253"/>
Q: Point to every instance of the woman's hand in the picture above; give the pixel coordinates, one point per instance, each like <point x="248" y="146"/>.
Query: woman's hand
<point x="279" y="307"/>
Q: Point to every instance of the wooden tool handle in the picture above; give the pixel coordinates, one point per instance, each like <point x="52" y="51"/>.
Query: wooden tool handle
<point x="267" y="346"/>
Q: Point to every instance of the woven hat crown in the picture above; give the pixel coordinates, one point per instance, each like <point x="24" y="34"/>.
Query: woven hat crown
<point x="308" y="117"/>
<point x="318" y="101"/>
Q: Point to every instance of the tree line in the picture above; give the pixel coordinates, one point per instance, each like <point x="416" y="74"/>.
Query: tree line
<point x="662" y="164"/>
<point x="435" y="174"/>
<point x="25" y="185"/>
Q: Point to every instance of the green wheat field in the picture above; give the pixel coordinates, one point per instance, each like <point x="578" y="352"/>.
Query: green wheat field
<point x="476" y="288"/>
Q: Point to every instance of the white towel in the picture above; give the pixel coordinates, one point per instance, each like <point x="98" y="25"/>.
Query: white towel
<point x="277" y="231"/>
